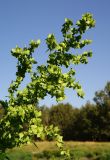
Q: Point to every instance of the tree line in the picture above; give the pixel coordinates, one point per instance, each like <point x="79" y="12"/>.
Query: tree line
<point x="90" y="122"/>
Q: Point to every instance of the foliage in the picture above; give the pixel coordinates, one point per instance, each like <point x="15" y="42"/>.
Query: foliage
<point x="63" y="115"/>
<point x="102" y="99"/>
<point x="90" y="122"/>
<point x="85" y="126"/>
<point x="21" y="121"/>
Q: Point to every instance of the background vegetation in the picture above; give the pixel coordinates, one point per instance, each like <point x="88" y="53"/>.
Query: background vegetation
<point x="90" y="122"/>
<point x="48" y="151"/>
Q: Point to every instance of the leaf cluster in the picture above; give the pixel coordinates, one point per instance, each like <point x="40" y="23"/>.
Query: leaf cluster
<point x="22" y="122"/>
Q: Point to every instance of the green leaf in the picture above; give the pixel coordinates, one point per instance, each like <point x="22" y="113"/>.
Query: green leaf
<point x="80" y="93"/>
<point x="21" y="135"/>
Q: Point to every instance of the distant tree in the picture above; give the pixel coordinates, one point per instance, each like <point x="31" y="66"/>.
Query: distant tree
<point x="102" y="99"/>
<point x="62" y="115"/>
<point x="84" y="123"/>
<point x="103" y="96"/>
<point x="45" y="115"/>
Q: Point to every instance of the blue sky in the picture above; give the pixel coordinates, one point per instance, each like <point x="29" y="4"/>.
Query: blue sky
<point x="23" y="20"/>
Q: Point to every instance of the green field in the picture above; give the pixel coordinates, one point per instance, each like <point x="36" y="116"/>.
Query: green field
<point x="48" y="151"/>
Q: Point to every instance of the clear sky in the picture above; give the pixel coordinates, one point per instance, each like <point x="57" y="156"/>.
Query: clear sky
<point x="23" y="20"/>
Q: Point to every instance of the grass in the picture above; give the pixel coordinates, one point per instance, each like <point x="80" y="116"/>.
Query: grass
<point x="49" y="151"/>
